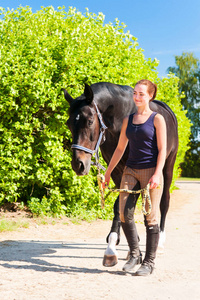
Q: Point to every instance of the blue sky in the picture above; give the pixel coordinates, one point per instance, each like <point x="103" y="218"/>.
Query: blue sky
<point x="164" y="28"/>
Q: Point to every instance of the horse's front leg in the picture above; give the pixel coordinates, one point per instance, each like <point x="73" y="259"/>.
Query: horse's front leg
<point x="110" y="256"/>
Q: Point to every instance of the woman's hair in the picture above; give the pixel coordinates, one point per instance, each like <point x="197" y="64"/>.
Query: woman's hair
<point x="151" y="87"/>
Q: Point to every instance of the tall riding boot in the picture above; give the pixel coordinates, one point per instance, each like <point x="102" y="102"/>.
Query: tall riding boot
<point x="135" y="256"/>
<point x="152" y="238"/>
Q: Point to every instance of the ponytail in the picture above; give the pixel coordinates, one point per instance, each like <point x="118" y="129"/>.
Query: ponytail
<point x="155" y="92"/>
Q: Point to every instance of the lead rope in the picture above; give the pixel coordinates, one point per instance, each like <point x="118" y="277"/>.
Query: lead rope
<point x="145" y="194"/>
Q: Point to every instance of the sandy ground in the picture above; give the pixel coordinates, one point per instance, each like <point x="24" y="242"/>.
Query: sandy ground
<point x="65" y="261"/>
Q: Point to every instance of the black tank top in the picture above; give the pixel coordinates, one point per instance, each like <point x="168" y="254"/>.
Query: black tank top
<point x="143" y="150"/>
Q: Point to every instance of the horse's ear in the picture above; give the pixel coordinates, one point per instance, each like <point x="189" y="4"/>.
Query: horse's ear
<point x="88" y="94"/>
<point x="67" y="96"/>
<point x="108" y="116"/>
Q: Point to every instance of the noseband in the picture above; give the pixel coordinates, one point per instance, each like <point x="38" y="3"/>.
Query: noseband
<point x="94" y="152"/>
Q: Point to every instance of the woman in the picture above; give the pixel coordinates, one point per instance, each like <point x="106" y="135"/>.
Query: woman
<point x="145" y="131"/>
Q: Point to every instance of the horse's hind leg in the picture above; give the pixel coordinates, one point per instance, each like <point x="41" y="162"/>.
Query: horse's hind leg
<point x="165" y="199"/>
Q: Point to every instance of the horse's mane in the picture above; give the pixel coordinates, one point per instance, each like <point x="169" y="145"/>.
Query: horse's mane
<point x="113" y="89"/>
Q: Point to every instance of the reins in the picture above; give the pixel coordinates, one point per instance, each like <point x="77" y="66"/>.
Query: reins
<point x="100" y="177"/>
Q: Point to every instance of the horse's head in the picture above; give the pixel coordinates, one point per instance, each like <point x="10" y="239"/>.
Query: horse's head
<point x="84" y="125"/>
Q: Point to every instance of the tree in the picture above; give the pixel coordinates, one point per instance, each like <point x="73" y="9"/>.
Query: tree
<point x="40" y="53"/>
<point x="188" y="70"/>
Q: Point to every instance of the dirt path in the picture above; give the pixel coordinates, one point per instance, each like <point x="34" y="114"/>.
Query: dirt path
<point x="65" y="261"/>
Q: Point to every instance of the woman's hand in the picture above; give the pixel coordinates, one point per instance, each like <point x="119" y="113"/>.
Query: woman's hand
<point x="107" y="179"/>
<point x="154" y="181"/>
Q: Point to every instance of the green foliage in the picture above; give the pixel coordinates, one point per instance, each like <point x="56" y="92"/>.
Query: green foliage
<point x="188" y="70"/>
<point x="191" y="165"/>
<point x="40" y="53"/>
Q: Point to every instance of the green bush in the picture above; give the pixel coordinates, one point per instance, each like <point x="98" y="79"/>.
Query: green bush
<point x="40" y="53"/>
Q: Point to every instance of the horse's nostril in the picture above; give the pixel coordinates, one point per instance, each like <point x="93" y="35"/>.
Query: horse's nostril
<point x="81" y="166"/>
<point x="78" y="166"/>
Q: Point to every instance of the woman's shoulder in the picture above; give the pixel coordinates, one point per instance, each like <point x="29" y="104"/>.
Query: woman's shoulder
<point x="158" y="119"/>
<point x="158" y="116"/>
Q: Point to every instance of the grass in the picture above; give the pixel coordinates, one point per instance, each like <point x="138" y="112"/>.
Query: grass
<point x="10" y="225"/>
<point x="41" y="221"/>
<point x="7" y="224"/>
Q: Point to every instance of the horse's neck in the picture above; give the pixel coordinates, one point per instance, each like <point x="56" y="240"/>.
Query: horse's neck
<point x="120" y="111"/>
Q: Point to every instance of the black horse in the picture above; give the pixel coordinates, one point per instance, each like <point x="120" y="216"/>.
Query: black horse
<point x="114" y="102"/>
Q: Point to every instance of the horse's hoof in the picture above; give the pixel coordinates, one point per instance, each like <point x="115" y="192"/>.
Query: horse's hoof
<point x="110" y="260"/>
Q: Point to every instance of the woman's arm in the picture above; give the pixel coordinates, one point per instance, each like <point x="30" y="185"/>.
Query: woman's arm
<point x="119" y="151"/>
<point x="161" y="135"/>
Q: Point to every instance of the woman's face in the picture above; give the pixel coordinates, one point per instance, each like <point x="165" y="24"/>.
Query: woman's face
<point x="140" y="95"/>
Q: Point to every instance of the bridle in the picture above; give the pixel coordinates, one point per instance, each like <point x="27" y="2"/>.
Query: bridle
<point x="94" y="152"/>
